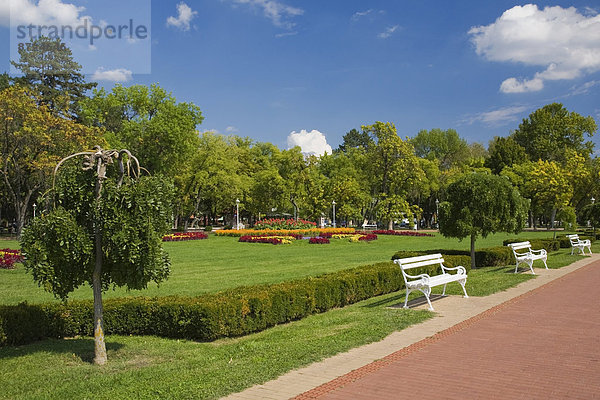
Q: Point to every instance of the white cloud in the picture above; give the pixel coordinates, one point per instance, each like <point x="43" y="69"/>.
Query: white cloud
<point x="231" y="129"/>
<point x="584" y="88"/>
<point x="44" y="12"/>
<point x="357" y="15"/>
<point x="184" y="16"/>
<point x="563" y="41"/>
<point x="112" y="75"/>
<point x="284" y="34"/>
<point x="311" y="143"/>
<point x="498" y="117"/>
<point x="388" y="31"/>
<point x="277" y="12"/>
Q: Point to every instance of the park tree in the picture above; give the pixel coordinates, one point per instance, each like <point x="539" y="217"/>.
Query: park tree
<point x="104" y="228"/>
<point x="149" y="121"/>
<point x="447" y="147"/>
<point x="52" y="74"/>
<point x="551" y="130"/>
<point x="392" y="169"/>
<point x="504" y="152"/>
<point x="355" y="139"/>
<point x="33" y="140"/>
<point x="478" y="204"/>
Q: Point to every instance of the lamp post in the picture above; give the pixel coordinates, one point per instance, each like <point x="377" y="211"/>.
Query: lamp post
<point x="237" y="214"/>
<point x="333" y="204"/>
<point x="437" y="213"/>
<point x="593" y="220"/>
<point x="34" y="206"/>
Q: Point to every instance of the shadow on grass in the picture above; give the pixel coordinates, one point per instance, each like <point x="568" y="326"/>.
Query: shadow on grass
<point x="80" y="348"/>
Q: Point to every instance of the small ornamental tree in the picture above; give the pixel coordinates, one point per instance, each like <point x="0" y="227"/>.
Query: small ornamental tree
<point x="479" y="204"/>
<point x="104" y="228"/>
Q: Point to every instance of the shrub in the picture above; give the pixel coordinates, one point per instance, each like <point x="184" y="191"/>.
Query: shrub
<point x="487" y="257"/>
<point x="208" y="228"/>
<point x="229" y="313"/>
<point x="536" y="244"/>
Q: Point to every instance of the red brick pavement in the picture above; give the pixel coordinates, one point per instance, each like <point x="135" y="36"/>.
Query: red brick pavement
<point x="544" y="344"/>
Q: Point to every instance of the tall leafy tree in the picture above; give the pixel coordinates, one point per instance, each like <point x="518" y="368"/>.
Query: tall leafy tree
<point x="33" y="140"/>
<point x="149" y="121"/>
<point x="551" y="130"/>
<point x="478" y="204"/>
<point x="105" y="228"/>
<point x="355" y="139"/>
<point x="504" y="152"/>
<point x="50" y="71"/>
<point x="447" y="147"/>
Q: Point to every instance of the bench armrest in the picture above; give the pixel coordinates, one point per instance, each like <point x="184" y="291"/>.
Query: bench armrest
<point x="459" y="270"/>
<point x="541" y="251"/>
<point x="425" y="277"/>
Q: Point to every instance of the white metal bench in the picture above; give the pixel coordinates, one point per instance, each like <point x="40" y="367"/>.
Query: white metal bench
<point x="425" y="282"/>
<point x="528" y="256"/>
<point x="579" y="244"/>
<point x="367" y="226"/>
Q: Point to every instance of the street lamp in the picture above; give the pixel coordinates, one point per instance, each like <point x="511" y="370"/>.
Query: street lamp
<point x="34" y="206"/>
<point x="237" y="214"/>
<point x="437" y="213"/>
<point x="333" y="204"/>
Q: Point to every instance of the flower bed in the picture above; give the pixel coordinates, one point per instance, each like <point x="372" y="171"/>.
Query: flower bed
<point x="279" y="224"/>
<point x="318" y="240"/>
<point x="266" y="239"/>
<point x="314" y="232"/>
<point x="181" y="236"/>
<point x="9" y="257"/>
<point x="401" y="233"/>
<point x="368" y="237"/>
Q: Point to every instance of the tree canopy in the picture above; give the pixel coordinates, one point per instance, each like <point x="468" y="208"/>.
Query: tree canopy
<point x="479" y="204"/>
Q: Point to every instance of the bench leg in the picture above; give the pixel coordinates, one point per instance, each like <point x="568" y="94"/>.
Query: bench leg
<point x="444" y="291"/>
<point x="426" y="292"/>
<point x="463" y="282"/>
<point x="406" y="298"/>
<point x="530" y="263"/>
<point x="589" y="249"/>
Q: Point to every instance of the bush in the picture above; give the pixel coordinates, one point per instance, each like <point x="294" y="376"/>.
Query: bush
<point x="487" y="257"/>
<point x="548" y="244"/>
<point x="208" y="228"/>
<point x="230" y="313"/>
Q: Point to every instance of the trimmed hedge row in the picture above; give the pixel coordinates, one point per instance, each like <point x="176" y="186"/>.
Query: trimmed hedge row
<point x="230" y="313"/>
<point x="548" y="244"/>
<point x="488" y="257"/>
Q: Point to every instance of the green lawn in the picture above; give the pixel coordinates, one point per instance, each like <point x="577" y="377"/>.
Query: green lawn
<point x="221" y="262"/>
<point x="149" y="367"/>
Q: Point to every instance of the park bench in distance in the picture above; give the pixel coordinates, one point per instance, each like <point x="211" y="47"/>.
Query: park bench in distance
<point x="424" y="282"/>
<point x="579" y="244"/>
<point x="528" y="256"/>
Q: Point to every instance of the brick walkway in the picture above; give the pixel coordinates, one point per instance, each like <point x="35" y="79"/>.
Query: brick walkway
<point x="543" y="344"/>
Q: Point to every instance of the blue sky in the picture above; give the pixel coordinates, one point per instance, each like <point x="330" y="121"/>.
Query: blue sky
<point x="266" y="68"/>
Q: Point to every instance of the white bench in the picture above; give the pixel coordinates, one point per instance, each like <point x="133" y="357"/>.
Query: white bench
<point x="579" y="244"/>
<point x="425" y="282"/>
<point x="528" y="256"/>
<point x="366" y="226"/>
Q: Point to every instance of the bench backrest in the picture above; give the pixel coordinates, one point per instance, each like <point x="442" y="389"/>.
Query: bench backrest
<point x="520" y="245"/>
<point x="419" y="261"/>
<point x="574" y="239"/>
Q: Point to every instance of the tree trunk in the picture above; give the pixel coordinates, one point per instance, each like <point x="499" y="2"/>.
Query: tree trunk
<point x="99" y="344"/>
<point x="391" y="225"/>
<point x="473" y="265"/>
<point x="552" y="217"/>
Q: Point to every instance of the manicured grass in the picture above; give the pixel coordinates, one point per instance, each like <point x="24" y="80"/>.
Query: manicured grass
<point x="149" y="367"/>
<point x="221" y="262"/>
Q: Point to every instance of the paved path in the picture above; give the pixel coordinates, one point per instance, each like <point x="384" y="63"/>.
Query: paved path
<point x="499" y="346"/>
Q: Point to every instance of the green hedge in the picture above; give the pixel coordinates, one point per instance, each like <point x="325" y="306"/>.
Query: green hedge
<point x="548" y="244"/>
<point x="487" y="257"/>
<point x="230" y="313"/>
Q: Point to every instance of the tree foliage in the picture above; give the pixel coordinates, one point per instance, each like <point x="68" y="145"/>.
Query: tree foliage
<point x="551" y="130"/>
<point x="479" y="204"/>
<point x="504" y="152"/>
<point x="447" y="147"/>
<point x="50" y="71"/>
